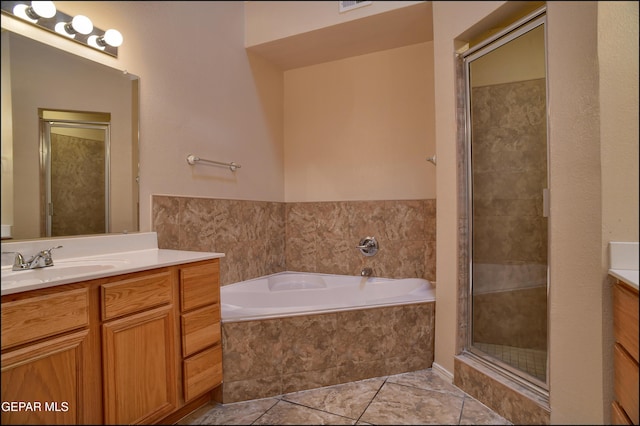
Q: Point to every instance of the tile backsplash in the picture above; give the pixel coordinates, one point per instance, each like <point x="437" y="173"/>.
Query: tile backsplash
<point x="261" y="238"/>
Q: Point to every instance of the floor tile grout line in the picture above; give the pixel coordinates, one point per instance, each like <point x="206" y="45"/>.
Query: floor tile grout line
<point x="314" y="408"/>
<point x="266" y="411"/>
<point x="370" y="401"/>
<point x="431" y="390"/>
<point x="464" y="400"/>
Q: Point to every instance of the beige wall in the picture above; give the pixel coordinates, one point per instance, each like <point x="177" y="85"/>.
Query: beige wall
<point x="618" y="80"/>
<point x="618" y="58"/>
<point x="576" y="270"/>
<point x="361" y="128"/>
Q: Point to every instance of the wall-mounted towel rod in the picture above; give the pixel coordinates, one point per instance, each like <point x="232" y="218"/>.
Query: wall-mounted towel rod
<point x="192" y="159"/>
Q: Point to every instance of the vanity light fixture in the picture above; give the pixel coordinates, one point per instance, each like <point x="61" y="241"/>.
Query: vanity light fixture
<point x="43" y="14"/>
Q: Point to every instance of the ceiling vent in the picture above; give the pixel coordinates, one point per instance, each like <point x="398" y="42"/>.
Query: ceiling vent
<point x="346" y="6"/>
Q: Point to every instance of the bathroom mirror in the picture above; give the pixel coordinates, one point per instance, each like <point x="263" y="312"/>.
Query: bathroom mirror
<point x="38" y="76"/>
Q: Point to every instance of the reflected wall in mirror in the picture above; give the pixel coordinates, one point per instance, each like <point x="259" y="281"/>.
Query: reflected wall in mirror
<point x="37" y="76"/>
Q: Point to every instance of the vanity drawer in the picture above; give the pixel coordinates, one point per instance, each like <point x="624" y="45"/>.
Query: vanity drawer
<point x="626" y="382"/>
<point x="135" y="294"/>
<point x="42" y="316"/>
<point x="625" y="318"/>
<point x="199" y="285"/>
<point x="200" y="329"/>
<point x="202" y="372"/>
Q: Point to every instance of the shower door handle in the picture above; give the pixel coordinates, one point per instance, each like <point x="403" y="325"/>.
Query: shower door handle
<point x="545" y="202"/>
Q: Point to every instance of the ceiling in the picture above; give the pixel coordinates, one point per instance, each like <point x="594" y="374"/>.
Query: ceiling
<point x="396" y="28"/>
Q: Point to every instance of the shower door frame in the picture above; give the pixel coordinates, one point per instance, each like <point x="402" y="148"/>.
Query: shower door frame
<point x="510" y="33"/>
<point x="46" y="166"/>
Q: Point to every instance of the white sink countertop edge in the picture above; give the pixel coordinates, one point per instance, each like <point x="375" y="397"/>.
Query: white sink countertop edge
<point x="141" y="254"/>
<point x="623" y="257"/>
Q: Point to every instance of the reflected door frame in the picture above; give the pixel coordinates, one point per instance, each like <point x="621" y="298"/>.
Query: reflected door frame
<point x="73" y="121"/>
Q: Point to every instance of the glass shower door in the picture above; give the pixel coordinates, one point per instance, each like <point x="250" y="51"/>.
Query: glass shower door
<point x="75" y="167"/>
<point x="508" y="206"/>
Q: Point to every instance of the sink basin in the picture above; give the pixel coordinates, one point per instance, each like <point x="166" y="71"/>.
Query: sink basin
<point x="52" y="273"/>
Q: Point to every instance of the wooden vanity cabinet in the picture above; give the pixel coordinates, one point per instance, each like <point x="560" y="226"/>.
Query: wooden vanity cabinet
<point x="625" y="354"/>
<point x="48" y="373"/>
<point x="138" y="356"/>
<point x="135" y="348"/>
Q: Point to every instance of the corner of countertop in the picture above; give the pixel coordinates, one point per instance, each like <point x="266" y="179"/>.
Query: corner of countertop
<point x="623" y="261"/>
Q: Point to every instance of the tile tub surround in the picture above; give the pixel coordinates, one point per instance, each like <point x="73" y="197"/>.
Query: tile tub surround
<point x="275" y="356"/>
<point x="420" y="397"/>
<point x="261" y="238"/>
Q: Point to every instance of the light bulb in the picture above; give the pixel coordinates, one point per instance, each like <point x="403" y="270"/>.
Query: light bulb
<point x="79" y="24"/>
<point x="37" y="10"/>
<point x="61" y="28"/>
<point x="113" y="38"/>
<point x="44" y="9"/>
<point x="20" y="10"/>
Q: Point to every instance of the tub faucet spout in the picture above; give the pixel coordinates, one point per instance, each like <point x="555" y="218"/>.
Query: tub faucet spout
<point x="366" y="272"/>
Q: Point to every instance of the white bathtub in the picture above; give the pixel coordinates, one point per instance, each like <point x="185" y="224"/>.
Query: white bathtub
<point x="297" y="293"/>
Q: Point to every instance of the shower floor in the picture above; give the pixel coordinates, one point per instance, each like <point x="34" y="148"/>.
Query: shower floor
<point x="531" y="361"/>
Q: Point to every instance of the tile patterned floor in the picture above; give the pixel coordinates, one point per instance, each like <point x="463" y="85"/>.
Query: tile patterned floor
<point x="531" y="361"/>
<point x="416" y="398"/>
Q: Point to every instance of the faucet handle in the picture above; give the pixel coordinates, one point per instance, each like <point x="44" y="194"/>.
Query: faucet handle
<point x="46" y="254"/>
<point x="18" y="260"/>
<point x="368" y="246"/>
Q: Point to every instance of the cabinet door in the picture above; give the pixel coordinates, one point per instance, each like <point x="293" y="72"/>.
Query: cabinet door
<point x="139" y="365"/>
<point x="44" y="383"/>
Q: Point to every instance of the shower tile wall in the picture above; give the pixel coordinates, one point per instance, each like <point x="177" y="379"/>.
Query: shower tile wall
<point x="72" y="157"/>
<point x="509" y="171"/>
<point x="261" y="238"/>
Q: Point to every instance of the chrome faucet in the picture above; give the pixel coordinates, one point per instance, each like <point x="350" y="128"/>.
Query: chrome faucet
<point x="41" y="259"/>
<point x="366" y="272"/>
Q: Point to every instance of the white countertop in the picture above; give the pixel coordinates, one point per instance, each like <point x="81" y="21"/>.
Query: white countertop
<point x="628" y="276"/>
<point x="624" y="262"/>
<point x="87" y="258"/>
